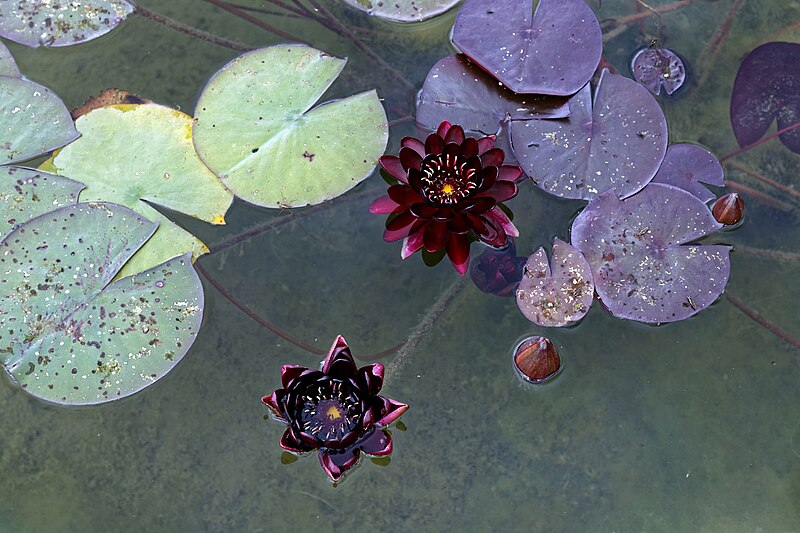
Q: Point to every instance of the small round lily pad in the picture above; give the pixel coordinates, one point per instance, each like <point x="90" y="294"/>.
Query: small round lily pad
<point x="403" y="10"/>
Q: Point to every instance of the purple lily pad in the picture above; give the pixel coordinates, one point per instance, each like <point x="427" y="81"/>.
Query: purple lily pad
<point x="617" y="144"/>
<point x="643" y="269"/>
<point x="460" y="92"/>
<point x="658" y="67"/>
<point x="767" y="87"/>
<point x="559" y="293"/>
<point x="687" y="165"/>
<point x="552" y="51"/>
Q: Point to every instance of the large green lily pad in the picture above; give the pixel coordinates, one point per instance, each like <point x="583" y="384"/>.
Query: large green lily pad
<point x="67" y="334"/>
<point x="60" y="23"/>
<point x="34" y="120"/>
<point x="8" y="67"/>
<point x="403" y="10"/>
<point x="256" y="129"/>
<point x="137" y="155"/>
<point x="27" y="193"/>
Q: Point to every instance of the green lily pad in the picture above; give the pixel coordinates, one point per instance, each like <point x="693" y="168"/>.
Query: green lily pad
<point x="8" y="67"/>
<point x="27" y="193"/>
<point x="137" y="155"/>
<point x="60" y="23"/>
<point x="34" y="120"/>
<point x="256" y="129"/>
<point x="71" y="336"/>
<point x="403" y="10"/>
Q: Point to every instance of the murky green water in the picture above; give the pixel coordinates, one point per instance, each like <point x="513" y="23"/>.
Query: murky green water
<point x="693" y="426"/>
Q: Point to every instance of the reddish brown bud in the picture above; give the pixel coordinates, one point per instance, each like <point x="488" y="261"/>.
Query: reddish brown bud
<point x="729" y="209"/>
<point x="537" y="360"/>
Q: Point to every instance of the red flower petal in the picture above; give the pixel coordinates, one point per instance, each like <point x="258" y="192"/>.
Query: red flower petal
<point x="383" y="206"/>
<point x="394" y="167"/>
<point x="486" y="229"/>
<point x="371" y="377"/>
<point x="434" y="144"/>
<point x="379" y="443"/>
<point x="454" y="135"/>
<point x="414" y="144"/>
<point x="485" y="144"/>
<point x="469" y="148"/>
<point x="290" y="373"/>
<point x="501" y="191"/>
<point x="290" y="442"/>
<point x="404" y="195"/>
<point x="458" y="252"/>
<point x="509" y="173"/>
<point x="412" y="243"/>
<point x="500" y="218"/>
<point x="423" y="211"/>
<point x="392" y="410"/>
<point x="435" y="236"/>
<point x="336" y="464"/>
<point x="443" y="128"/>
<point x="459" y="224"/>
<point x="339" y="362"/>
<point x="409" y="158"/>
<point x="401" y="221"/>
<point x="493" y="157"/>
<point x="273" y="401"/>
<point x="477" y="206"/>
<point x="488" y="177"/>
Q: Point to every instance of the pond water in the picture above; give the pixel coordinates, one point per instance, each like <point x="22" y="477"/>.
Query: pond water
<point x="691" y="426"/>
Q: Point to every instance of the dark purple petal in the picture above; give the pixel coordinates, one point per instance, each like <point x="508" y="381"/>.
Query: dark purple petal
<point x="658" y="67"/>
<point x="273" y="401"/>
<point x="378" y="443"/>
<point x="290" y="442"/>
<point x="485" y="144"/>
<point x="391" y="411"/>
<point x="436" y="236"/>
<point x="415" y="179"/>
<point x="618" y="143"/>
<point x="434" y="144"/>
<point x="499" y="217"/>
<point x="554" y="51"/>
<point x="423" y="211"/>
<point x="509" y="173"/>
<point x="414" y="144"/>
<point x="409" y="158"/>
<point x="686" y="165"/>
<point x="500" y="191"/>
<point x="469" y="148"/>
<point x="383" y="206"/>
<point x="458" y="252"/>
<point x="371" y="378"/>
<point x="339" y="362"/>
<point x="401" y="221"/>
<point x="488" y="177"/>
<point x="443" y="128"/>
<point x="459" y="224"/>
<point x="411" y="244"/>
<point x="454" y="135"/>
<point x="476" y="206"/>
<point x="396" y="235"/>
<point x="290" y="373"/>
<point x="485" y="228"/>
<point x="392" y="165"/>
<point x="336" y="464"/>
<point x="493" y="157"/>
<point x="404" y="195"/>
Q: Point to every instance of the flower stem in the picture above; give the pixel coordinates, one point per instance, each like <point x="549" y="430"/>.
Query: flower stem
<point x="620" y="25"/>
<point x="756" y="317"/>
<point x="257" y="22"/>
<point x="758" y="195"/>
<point x="189" y="30"/>
<point x="762" y="140"/>
<point x="777" y="255"/>
<point x="710" y="53"/>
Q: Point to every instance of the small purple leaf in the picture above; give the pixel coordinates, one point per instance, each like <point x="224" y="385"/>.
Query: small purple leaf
<point x="552" y="51"/>
<point x="687" y="165"/>
<point x="767" y="87"/>
<point x="458" y="91"/>
<point x="643" y="270"/>
<point x="658" y="67"/>
<point x="617" y="145"/>
<point x="559" y="293"/>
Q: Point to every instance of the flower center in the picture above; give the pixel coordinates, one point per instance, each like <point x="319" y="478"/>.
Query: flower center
<point x="447" y="179"/>
<point x="330" y="411"/>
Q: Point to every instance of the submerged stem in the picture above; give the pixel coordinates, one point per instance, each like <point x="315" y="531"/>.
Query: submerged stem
<point x="189" y="30"/>
<point x="756" y="317"/>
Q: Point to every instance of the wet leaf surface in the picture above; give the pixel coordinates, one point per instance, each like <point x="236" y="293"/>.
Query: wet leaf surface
<point x="69" y="335"/>
<point x="8" y="67"/>
<point x="403" y="10"/>
<point x="688" y="166"/>
<point x="658" y="68"/>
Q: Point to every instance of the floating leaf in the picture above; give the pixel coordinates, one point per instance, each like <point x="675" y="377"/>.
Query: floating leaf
<point x="767" y="87"/>
<point x="552" y="51"/>
<point x="460" y="92"/>
<point x="8" y="67"/>
<point x="256" y="130"/>
<point x="34" y="120"/>
<point x="26" y="193"/>
<point x="137" y="155"/>
<point x="658" y="67"/>
<point x="558" y="293"/>
<point x="60" y="23"/>
<point x="68" y="336"/>
<point x="687" y="165"/>
<point x="619" y="144"/>
<point x="642" y="268"/>
<point x="403" y="10"/>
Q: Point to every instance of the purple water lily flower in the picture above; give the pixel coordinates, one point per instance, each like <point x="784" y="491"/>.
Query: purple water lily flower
<point x="335" y="410"/>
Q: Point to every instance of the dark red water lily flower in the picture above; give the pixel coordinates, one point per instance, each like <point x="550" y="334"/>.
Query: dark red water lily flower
<point x="448" y="193"/>
<point x="336" y="410"/>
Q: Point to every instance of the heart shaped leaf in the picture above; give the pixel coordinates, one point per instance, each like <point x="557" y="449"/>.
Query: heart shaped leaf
<point x="617" y="144"/>
<point x="256" y="130"/>
<point x="687" y="165"/>
<point x="137" y="155"/>
<point x="767" y="88"/>
<point x="642" y="267"/>
<point x="559" y="293"/>
<point x="403" y="10"/>
<point x="68" y="335"/>
<point x="34" y="120"/>
<point x="54" y="23"/>
<point x="460" y="92"/>
<point x="26" y="193"/>
<point x="8" y="67"/>
<point x="552" y="51"/>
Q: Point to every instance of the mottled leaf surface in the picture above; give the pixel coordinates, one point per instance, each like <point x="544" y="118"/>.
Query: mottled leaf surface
<point x="557" y="293"/>
<point x="138" y="155"/>
<point x="34" y="120"/>
<point x="66" y="334"/>
<point x="403" y="10"/>
<point x="658" y="68"/>
<point x="27" y="193"/>
<point x="688" y="166"/>
<point x="256" y="129"/>
<point x="460" y="92"/>
<point x="767" y="88"/>
<point x="60" y="22"/>
<point x="552" y="51"/>
<point x="8" y="67"/>
<point x="637" y="248"/>
<point x="618" y="143"/>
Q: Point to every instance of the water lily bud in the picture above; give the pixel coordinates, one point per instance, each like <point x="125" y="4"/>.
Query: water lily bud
<point x="729" y="209"/>
<point x="537" y="360"/>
